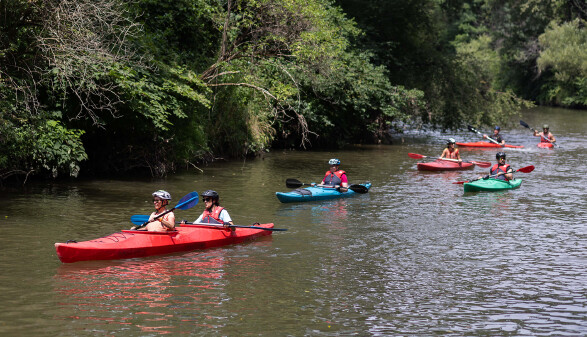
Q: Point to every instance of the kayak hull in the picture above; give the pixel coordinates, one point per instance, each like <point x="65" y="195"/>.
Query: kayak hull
<point x="488" y="144"/>
<point x="132" y="244"/>
<point x="491" y="185"/>
<point x="315" y="193"/>
<point x="444" y="165"/>
<point x="545" y="145"/>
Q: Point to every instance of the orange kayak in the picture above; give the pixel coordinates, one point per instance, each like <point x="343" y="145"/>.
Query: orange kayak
<point x="488" y="144"/>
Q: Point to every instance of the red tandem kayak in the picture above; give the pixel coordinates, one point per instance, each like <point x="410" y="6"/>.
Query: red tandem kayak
<point x="488" y="144"/>
<point x="131" y="244"/>
<point x="545" y="145"/>
<point x="444" y="165"/>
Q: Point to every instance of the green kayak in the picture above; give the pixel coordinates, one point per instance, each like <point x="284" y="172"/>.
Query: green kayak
<point x="491" y="185"/>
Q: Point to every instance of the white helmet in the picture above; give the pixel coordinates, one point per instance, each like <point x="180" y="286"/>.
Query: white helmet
<point x="162" y="194"/>
<point x="334" y="161"/>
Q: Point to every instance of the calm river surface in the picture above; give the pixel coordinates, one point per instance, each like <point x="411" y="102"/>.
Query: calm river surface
<point x="415" y="256"/>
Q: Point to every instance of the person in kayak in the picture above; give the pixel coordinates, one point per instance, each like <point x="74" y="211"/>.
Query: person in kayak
<point x="166" y="222"/>
<point x="545" y="135"/>
<point x="501" y="170"/>
<point x="335" y="177"/>
<point x="214" y="213"/>
<point x="450" y="152"/>
<point x="496" y="136"/>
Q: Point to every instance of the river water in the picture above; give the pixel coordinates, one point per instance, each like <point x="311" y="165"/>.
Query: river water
<point x="415" y="256"/>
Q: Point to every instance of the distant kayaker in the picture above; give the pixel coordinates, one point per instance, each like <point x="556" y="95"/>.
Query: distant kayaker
<point x="214" y="213"/>
<point x="450" y="152"/>
<point x="545" y="135"/>
<point x="501" y="170"/>
<point x="166" y="222"/>
<point x="496" y="136"/>
<point x="335" y="177"/>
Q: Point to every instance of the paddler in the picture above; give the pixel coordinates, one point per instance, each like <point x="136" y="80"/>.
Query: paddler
<point x="335" y="177"/>
<point x="496" y="136"/>
<point x="545" y="135"/>
<point x="164" y="223"/>
<point x="450" y="152"/>
<point x="214" y="213"/>
<point x="501" y="170"/>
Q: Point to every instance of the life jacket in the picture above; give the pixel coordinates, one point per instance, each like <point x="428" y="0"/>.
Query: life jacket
<point x="212" y="217"/>
<point x="333" y="178"/>
<point x="544" y="137"/>
<point x="498" y="169"/>
<point x="453" y="155"/>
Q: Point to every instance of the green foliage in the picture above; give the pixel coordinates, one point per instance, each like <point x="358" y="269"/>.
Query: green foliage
<point x="43" y="145"/>
<point x="564" y="53"/>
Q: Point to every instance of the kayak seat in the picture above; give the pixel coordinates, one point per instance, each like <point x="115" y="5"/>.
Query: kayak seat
<point x="302" y="191"/>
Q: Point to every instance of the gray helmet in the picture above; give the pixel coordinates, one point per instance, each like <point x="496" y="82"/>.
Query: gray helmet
<point x="211" y="194"/>
<point x="500" y="155"/>
<point x="451" y="141"/>
<point x="334" y="161"/>
<point x="545" y="126"/>
<point x="162" y="195"/>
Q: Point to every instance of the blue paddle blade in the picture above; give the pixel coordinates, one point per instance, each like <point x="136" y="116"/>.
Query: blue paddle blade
<point x="139" y="219"/>
<point x="188" y="201"/>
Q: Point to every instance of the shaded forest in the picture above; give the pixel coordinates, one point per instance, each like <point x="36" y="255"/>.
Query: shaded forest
<point x="112" y="86"/>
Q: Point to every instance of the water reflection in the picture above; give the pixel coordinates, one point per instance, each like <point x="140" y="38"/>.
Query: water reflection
<point x="158" y="295"/>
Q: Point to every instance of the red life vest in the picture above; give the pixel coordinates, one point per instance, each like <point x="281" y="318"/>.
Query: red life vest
<point x="453" y="155"/>
<point x="544" y="138"/>
<point x="212" y="217"/>
<point x="498" y="169"/>
<point x="333" y="178"/>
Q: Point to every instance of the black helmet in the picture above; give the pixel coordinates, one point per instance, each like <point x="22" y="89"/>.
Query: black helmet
<point x="500" y="155"/>
<point x="211" y="193"/>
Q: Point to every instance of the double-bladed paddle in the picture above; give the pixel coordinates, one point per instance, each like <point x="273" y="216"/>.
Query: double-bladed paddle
<point x="188" y="201"/>
<point x="294" y="183"/>
<point x="472" y="129"/>
<point x="526" y="169"/>
<point x="140" y="218"/>
<point x="524" y="124"/>
<point x="478" y="163"/>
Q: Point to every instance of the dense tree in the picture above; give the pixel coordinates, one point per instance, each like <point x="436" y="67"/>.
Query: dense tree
<point x="111" y="86"/>
<point x="564" y="55"/>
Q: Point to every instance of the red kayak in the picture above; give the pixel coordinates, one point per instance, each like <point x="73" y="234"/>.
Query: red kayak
<point x="131" y="244"/>
<point x="545" y="145"/>
<point x="488" y="144"/>
<point x="444" y="165"/>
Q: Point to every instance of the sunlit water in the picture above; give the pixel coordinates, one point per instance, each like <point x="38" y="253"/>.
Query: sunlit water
<point x="414" y="256"/>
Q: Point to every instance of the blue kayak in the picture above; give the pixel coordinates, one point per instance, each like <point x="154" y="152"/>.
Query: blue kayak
<point x="316" y="193"/>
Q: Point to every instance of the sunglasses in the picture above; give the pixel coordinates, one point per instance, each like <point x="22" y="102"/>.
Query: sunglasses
<point x="207" y="199"/>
